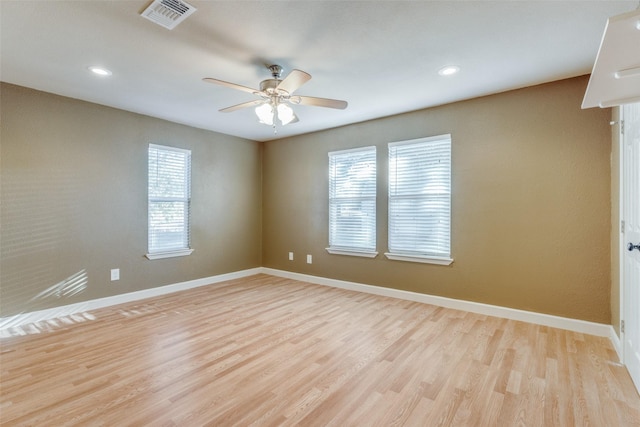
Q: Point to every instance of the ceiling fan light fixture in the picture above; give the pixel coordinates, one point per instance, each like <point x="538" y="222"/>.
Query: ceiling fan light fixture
<point x="285" y="114"/>
<point x="265" y="114"/>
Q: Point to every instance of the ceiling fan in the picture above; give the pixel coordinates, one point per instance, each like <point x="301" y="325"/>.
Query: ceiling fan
<point x="275" y="96"/>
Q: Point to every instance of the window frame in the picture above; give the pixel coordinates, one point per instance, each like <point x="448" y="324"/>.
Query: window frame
<point x="367" y="252"/>
<point x="159" y="253"/>
<point x="405" y="254"/>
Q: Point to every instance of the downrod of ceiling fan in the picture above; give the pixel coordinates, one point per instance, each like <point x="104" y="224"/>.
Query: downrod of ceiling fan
<point x="276" y="71"/>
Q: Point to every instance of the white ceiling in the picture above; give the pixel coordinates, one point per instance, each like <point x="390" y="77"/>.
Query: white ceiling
<point x="382" y="57"/>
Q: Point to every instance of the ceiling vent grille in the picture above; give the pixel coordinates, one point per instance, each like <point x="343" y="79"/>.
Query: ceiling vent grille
<point x="168" y="13"/>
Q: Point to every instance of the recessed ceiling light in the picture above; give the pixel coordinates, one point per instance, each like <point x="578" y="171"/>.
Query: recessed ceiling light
<point x="99" y="71"/>
<point x="449" y="70"/>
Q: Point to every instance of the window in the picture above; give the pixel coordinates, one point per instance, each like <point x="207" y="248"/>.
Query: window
<point x="420" y="200"/>
<point x="352" y="202"/>
<point x="169" y="200"/>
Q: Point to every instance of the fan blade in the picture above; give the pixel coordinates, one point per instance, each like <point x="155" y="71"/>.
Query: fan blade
<point x="243" y="105"/>
<point x="321" y="102"/>
<point x="293" y="81"/>
<point x="231" y="85"/>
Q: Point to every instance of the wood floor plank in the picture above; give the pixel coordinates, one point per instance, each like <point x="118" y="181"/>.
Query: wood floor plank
<point x="267" y="351"/>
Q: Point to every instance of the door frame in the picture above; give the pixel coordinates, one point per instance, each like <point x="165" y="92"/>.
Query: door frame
<point x="621" y="288"/>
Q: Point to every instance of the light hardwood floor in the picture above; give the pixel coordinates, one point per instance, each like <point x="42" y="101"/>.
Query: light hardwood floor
<point x="267" y="351"/>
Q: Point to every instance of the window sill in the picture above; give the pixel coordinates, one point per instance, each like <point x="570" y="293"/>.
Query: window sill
<point x="172" y="254"/>
<point x="425" y="259"/>
<point x="351" y="252"/>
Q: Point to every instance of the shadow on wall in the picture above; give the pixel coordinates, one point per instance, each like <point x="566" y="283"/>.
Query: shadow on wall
<point x="17" y="325"/>
<point x="69" y="287"/>
<point x="39" y="219"/>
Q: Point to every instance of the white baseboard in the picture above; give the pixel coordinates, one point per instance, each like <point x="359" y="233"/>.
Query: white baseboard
<point x="581" y="326"/>
<point x="617" y="344"/>
<point x="575" y="325"/>
<point x="26" y="323"/>
<point x="82" y="307"/>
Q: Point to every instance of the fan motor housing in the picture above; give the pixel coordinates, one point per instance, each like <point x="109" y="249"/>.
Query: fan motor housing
<point x="269" y="86"/>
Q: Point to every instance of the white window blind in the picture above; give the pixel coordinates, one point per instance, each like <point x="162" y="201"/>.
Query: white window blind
<point x="169" y="199"/>
<point x="352" y="200"/>
<point x="420" y="197"/>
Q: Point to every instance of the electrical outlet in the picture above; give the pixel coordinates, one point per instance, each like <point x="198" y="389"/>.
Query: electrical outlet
<point x="309" y="259"/>
<point x="290" y="256"/>
<point x="115" y="274"/>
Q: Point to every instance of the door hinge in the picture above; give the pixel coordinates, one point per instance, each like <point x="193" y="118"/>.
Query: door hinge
<point x="622" y="326"/>
<point x="622" y="127"/>
<point x="622" y="226"/>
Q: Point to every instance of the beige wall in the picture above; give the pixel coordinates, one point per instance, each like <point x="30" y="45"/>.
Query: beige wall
<point x="73" y="191"/>
<point x="531" y="209"/>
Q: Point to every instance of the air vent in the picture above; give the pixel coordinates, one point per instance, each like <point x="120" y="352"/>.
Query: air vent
<point x="168" y="13"/>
